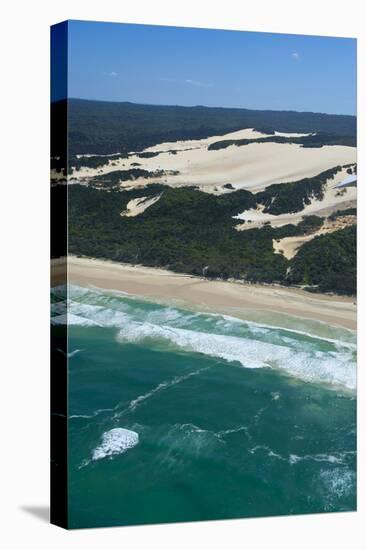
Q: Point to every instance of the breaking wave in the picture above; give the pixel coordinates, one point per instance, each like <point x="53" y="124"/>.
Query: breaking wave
<point x="299" y="353"/>
<point x="312" y="366"/>
<point x="115" y="442"/>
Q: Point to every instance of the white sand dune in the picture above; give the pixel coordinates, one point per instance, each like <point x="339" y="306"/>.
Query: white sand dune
<point x="333" y="200"/>
<point x="292" y="134"/>
<point x="246" y="133"/>
<point x="289" y="246"/>
<point x="138" y="206"/>
<point x="253" y="166"/>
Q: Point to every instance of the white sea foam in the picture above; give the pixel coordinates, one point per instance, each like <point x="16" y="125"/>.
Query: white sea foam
<point x="71" y="319"/>
<point x="230" y="431"/>
<point x="88" y="303"/>
<point x="74" y="352"/>
<point x="331" y="458"/>
<point x="275" y="395"/>
<point x="336" y="484"/>
<point x="339" y="481"/>
<point x="160" y="387"/>
<point x="90" y="315"/>
<point x="253" y="345"/>
<point x="329" y="367"/>
<point x="263" y="328"/>
<point x="320" y="457"/>
<point x="115" y="442"/>
<point x="92" y="415"/>
<point x="340" y="343"/>
<point x="100" y="315"/>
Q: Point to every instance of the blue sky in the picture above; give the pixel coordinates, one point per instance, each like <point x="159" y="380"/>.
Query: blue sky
<point x="180" y="66"/>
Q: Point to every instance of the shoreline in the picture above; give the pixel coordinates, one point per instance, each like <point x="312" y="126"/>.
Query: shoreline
<point x="243" y="300"/>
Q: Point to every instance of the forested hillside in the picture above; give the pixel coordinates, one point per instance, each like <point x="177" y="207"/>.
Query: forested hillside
<point x="192" y="232"/>
<point x="328" y="261"/>
<point x="186" y="230"/>
<point x="101" y="127"/>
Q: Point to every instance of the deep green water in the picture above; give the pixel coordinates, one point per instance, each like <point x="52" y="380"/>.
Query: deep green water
<point x="234" y="419"/>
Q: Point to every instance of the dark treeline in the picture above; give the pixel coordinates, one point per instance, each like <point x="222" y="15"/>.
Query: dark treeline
<point x="193" y="232"/>
<point x="308" y="225"/>
<point x="147" y="155"/>
<point x="346" y="212"/>
<point x="109" y="127"/>
<point x="317" y="140"/>
<point x="113" y="179"/>
<point x="276" y="199"/>
<point x="97" y="161"/>
<point x="294" y="196"/>
<point x="327" y="261"/>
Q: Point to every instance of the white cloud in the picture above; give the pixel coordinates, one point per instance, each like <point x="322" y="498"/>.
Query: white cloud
<point x="113" y="74"/>
<point x="295" y="55"/>
<point x="197" y="83"/>
<point x="188" y="81"/>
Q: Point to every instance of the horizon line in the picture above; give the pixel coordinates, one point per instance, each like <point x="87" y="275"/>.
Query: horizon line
<point x="201" y="106"/>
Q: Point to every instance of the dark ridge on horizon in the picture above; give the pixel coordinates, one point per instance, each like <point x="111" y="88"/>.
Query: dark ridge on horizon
<point x="106" y="127"/>
<point x="177" y="105"/>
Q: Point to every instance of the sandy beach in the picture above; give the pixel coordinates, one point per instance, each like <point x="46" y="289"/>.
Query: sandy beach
<point x="231" y="298"/>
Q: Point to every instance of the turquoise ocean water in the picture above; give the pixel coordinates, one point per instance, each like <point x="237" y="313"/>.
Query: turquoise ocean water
<point x="177" y="415"/>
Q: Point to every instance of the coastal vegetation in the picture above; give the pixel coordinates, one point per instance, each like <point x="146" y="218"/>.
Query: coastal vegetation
<point x="192" y="232"/>
<point x="294" y="196"/>
<point x="184" y="229"/>
<point x="328" y="262"/>
<point x="276" y="199"/>
<point x="114" y="179"/>
<point x="345" y="212"/>
<point x="317" y="140"/>
<point x="97" y="161"/>
<point x="94" y="161"/>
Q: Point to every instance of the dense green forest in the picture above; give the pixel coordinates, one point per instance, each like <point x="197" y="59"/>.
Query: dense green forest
<point x="102" y="127"/>
<point x="193" y="232"/>
<point x="328" y="261"/>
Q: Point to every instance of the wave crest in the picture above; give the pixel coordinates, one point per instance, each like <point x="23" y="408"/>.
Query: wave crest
<point x="311" y="366"/>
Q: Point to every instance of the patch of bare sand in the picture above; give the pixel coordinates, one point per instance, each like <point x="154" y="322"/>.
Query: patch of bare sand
<point x="289" y="246"/>
<point x="139" y="205"/>
<point x="333" y="200"/>
<point x="253" y="166"/>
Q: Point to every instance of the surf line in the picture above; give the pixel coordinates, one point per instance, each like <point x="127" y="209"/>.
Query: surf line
<point x="142" y="398"/>
<point x="160" y="387"/>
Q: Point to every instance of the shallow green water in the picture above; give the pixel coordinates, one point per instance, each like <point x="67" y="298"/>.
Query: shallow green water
<point x="233" y="419"/>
